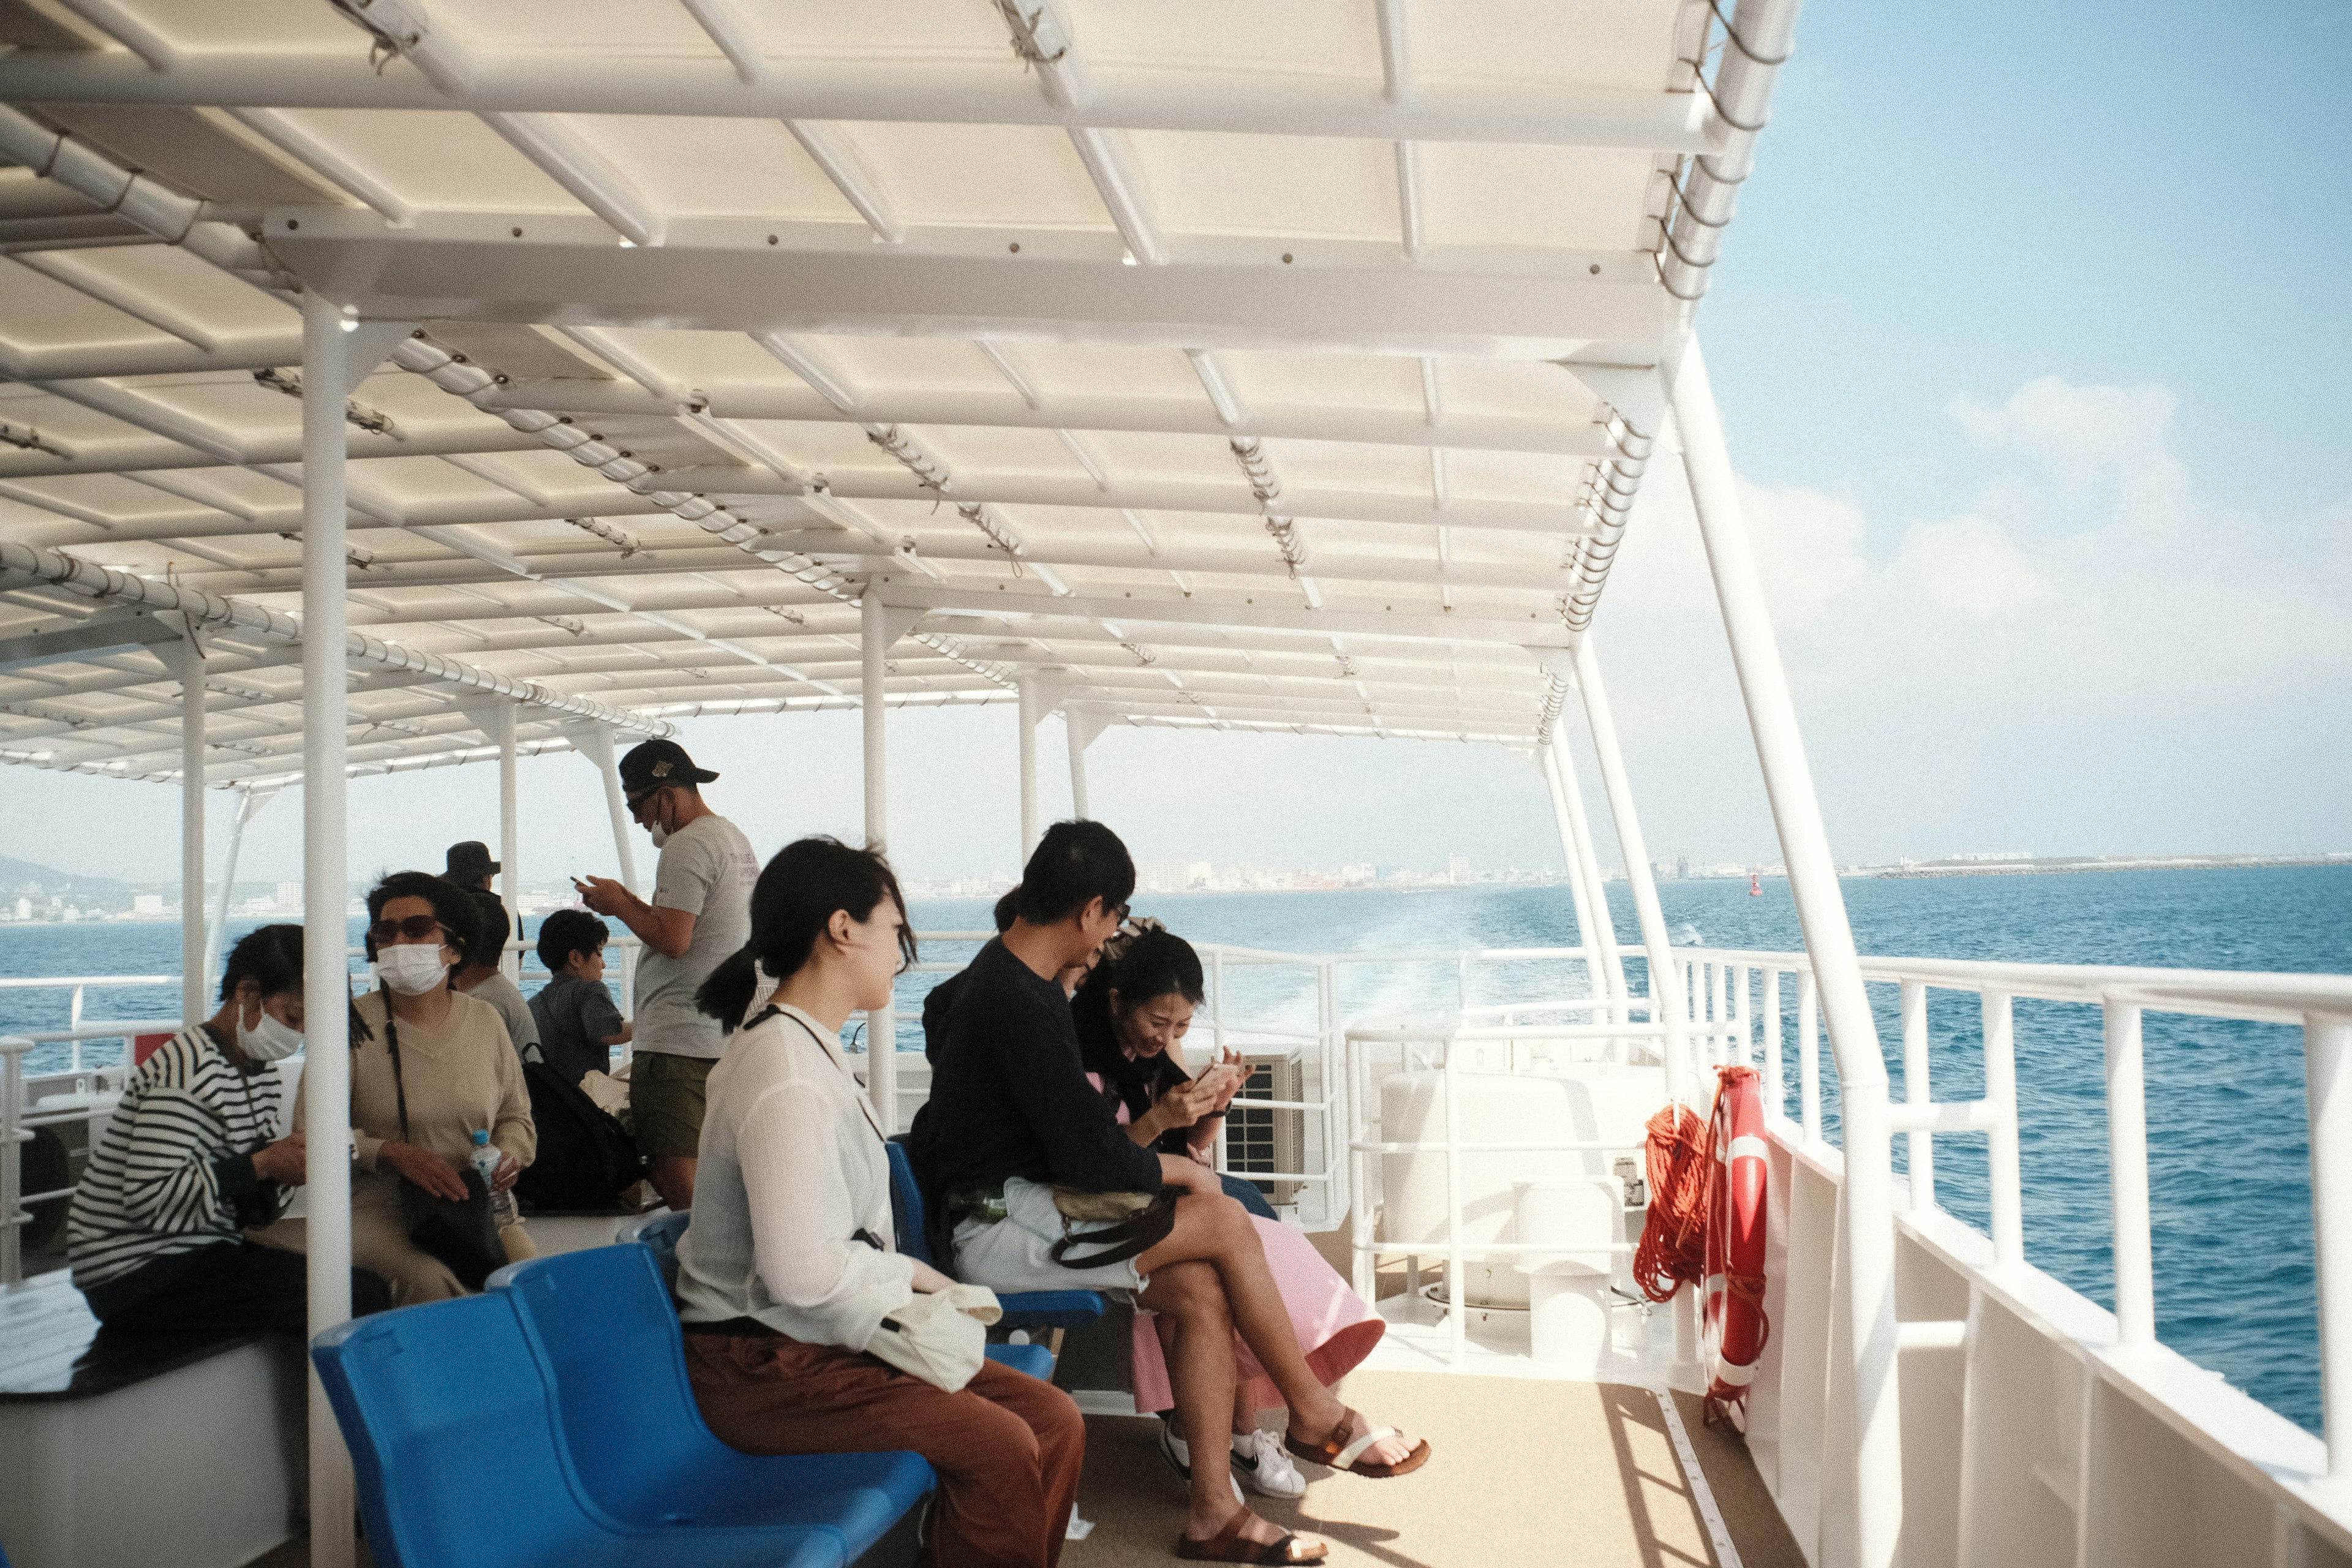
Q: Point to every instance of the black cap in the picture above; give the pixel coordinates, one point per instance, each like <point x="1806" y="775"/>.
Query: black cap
<point x="658" y="763"/>
<point x="468" y="861"/>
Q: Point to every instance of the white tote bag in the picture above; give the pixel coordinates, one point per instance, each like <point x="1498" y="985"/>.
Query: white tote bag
<point x="940" y="1336"/>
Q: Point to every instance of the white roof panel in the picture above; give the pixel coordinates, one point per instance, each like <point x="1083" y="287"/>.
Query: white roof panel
<point x="1218" y="365"/>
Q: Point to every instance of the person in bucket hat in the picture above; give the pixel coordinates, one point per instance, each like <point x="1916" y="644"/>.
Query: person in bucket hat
<point x="470" y="864"/>
<point x="699" y="913"/>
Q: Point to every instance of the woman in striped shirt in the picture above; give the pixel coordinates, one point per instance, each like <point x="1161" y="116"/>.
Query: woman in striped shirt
<point x="186" y="1163"/>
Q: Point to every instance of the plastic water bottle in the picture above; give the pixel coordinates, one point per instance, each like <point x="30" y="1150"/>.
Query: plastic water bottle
<point x="503" y="1212"/>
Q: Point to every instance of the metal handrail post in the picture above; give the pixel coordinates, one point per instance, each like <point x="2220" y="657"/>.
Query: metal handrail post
<point x="2001" y="1089"/>
<point x="1867" y="1192"/>
<point x="1457" y="1295"/>
<point x="2127" y="1176"/>
<point x="13" y="1138"/>
<point x="2326" y="1054"/>
<point x="1776" y="1086"/>
<point x="1809" y="1055"/>
<point x="1916" y="1092"/>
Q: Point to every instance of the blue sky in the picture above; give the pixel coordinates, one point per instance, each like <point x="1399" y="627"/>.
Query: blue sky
<point x="2030" y="339"/>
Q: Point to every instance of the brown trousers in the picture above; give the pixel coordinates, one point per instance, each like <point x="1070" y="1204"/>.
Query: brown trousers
<point x="1007" y="1447"/>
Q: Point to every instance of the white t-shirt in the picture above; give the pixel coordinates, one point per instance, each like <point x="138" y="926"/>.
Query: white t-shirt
<point x="707" y="870"/>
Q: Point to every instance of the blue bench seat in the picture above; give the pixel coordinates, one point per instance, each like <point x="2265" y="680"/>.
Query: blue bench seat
<point x="602" y="1327"/>
<point x="1022" y="1309"/>
<point x="457" y="1444"/>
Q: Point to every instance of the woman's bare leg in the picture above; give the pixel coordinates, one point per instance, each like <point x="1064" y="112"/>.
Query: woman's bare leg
<point x="1219" y="1231"/>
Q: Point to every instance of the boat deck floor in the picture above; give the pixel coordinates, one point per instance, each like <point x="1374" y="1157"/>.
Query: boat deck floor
<point x="1520" y="1471"/>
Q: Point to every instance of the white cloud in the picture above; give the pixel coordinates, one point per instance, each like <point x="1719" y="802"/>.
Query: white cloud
<point x="1996" y="665"/>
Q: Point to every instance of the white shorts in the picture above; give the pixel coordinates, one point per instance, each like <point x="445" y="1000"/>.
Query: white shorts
<point x="1015" y="1252"/>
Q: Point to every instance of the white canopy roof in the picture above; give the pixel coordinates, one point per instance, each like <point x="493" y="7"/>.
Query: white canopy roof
<point x="1211" y="365"/>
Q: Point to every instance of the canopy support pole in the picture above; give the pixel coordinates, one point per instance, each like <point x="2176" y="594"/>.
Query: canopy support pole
<point x="1866" y="1274"/>
<point x="873" y="641"/>
<point x="1574" y="855"/>
<point x="594" y="741"/>
<point x="194" y="970"/>
<point x="1027" y="689"/>
<point x="1665" y="995"/>
<point x="1075" y="728"/>
<point x="501" y="716"/>
<point x="327" y="1069"/>
<point x="1665" y="999"/>
<point x="249" y="806"/>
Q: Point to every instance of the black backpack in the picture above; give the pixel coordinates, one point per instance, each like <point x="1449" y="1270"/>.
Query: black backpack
<point x="586" y="1158"/>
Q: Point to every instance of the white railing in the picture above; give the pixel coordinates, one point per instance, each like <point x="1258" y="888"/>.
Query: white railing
<point x="1735" y="1001"/>
<point x="1450" y="1048"/>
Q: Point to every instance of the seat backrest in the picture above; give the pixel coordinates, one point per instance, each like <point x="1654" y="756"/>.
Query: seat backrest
<point x="451" y="1436"/>
<point x="660" y="1237"/>
<point x="906" y="1203"/>
<point x="603" y="1323"/>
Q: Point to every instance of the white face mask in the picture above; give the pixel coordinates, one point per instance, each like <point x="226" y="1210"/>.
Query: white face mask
<point x="271" y="1040"/>
<point x="411" y="968"/>
<point x="660" y="834"/>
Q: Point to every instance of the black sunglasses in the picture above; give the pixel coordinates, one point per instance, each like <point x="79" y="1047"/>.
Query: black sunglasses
<point x="416" y="927"/>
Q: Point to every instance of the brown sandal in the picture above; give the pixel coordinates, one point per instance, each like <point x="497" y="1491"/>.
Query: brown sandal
<point x="1228" y="1546"/>
<point x="1336" y="1452"/>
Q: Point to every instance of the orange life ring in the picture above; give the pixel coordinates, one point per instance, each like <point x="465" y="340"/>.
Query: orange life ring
<point x="1735" y="1325"/>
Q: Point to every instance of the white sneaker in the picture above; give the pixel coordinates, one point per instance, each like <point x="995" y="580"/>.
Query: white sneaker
<point x="1179" y="1455"/>
<point x="1260" y="1461"/>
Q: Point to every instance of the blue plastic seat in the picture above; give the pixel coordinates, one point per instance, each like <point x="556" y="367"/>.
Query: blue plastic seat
<point x="1022" y="1309"/>
<point x="454" y="1440"/>
<point x="603" y="1328"/>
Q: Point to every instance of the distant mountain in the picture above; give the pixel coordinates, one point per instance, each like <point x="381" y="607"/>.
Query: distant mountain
<point x="16" y="873"/>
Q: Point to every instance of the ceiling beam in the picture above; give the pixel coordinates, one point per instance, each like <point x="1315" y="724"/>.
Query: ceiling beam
<point x="1061" y="286"/>
<point x="1554" y="520"/>
<point x="158" y="453"/>
<point x="567" y="82"/>
<point x="1226" y="609"/>
<point x="1159" y="416"/>
<point x="160" y="356"/>
<point x="100" y="634"/>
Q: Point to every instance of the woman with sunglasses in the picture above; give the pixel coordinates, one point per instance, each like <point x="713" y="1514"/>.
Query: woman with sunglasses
<point x="430" y="1068"/>
<point x="789" y="1272"/>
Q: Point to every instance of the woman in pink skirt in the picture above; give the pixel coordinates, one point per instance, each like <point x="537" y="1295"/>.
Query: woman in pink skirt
<point x="1132" y="1013"/>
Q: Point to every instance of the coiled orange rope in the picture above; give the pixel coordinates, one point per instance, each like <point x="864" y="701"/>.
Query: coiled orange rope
<point x="1674" y="1237"/>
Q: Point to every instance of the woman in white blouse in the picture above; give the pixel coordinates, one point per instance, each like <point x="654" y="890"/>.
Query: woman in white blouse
<point x="787" y="1271"/>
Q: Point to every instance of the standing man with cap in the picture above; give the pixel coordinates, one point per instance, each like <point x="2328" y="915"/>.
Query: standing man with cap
<point x="700" y="913"/>
<point x="469" y="866"/>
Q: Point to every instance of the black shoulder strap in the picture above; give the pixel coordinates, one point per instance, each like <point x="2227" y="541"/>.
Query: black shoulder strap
<point x="863" y="1108"/>
<point x="399" y="1085"/>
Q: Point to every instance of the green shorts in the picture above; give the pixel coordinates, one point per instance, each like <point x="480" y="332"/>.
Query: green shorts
<point x="666" y="1101"/>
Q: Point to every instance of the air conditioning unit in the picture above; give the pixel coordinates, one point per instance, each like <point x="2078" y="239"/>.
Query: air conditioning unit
<point x="1260" y="1138"/>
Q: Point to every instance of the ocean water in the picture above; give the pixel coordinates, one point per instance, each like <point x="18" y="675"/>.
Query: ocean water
<point x="2229" y="1155"/>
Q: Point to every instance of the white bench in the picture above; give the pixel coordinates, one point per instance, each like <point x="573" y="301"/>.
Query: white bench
<point x="123" y="1450"/>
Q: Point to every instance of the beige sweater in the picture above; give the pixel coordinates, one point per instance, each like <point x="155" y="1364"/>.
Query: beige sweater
<point x="460" y="1076"/>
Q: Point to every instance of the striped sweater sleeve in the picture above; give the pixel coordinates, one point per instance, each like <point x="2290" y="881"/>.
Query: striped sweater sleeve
<point x="172" y="1157"/>
<point x="166" y="1169"/>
